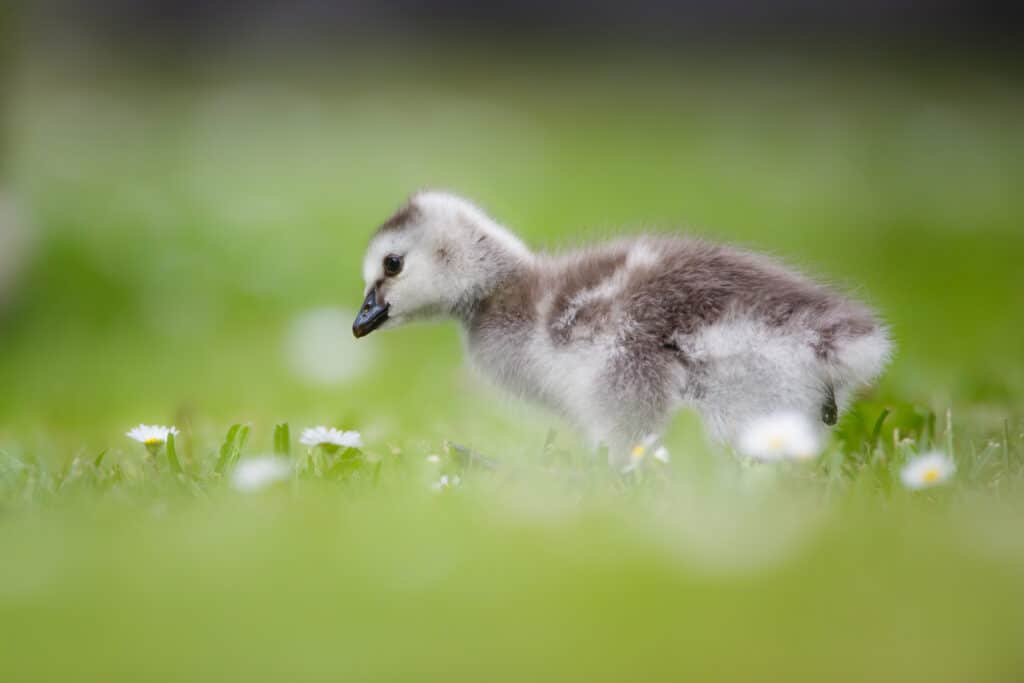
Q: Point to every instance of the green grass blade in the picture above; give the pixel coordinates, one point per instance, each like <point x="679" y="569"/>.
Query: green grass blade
<point x="980" y="462"/>
<point x="243" y="438"/>
<point x="1006" y="444"/>
<point x="172" y="455"/>
<point x="226" y="448"/>
<point x="949" y="433"/>
<point x="876" y="431"/>
<point x="282" y="440"/>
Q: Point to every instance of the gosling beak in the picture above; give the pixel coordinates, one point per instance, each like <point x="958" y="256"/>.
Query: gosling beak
<point x="371" y="316"/>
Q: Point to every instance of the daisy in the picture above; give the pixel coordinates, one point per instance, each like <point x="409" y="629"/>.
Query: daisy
<point x="930" y="469"/>
<point x="254" y="474"/>
<point x="786" y="435"/>
<point x="151" y="436"/>
<point x="640" y="451"/>
<point x="446" y="482"/>
<point x="434" y="459"/>
<point x="330" y="438"/>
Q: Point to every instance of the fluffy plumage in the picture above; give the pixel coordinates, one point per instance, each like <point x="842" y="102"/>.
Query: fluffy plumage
<point x="616" y="337"/>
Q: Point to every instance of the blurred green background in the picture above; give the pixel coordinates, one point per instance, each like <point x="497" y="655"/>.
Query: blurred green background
<point x="186" y="248"/>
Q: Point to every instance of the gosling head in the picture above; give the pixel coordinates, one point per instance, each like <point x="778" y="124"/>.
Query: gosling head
<point x="435" y="257"/>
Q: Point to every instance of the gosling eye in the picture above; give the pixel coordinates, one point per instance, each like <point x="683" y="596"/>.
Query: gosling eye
<point x="392" y="265"/>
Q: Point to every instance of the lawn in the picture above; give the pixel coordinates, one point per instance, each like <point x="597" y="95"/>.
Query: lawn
<point x="198" y="254"/>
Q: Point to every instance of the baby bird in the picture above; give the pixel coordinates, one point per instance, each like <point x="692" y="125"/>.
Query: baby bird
<point x="616" y="337"/>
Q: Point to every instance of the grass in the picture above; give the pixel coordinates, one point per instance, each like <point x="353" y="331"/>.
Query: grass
<point x="185" y="226"/>
<point x="547" y="565"/>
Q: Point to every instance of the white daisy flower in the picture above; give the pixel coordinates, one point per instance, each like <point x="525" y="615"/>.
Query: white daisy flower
<point x="930" y="469"/>
<point x="446" y="482"/>
<point x="152" y="436"/>
<point x="253" y="474"/>
<point x="434" y="459"/>
<point x="640" y="451"/>
<point x="329" y="436"/>
<point x="786" y="435"/>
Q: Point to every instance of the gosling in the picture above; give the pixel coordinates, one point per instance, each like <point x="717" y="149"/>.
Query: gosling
<point x="615" y="338"/>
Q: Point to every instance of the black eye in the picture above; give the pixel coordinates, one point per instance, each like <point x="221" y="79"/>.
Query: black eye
<point x="392" y="265"/>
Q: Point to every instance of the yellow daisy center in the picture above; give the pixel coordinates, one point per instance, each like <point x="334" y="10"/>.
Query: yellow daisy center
<point x="153" y="440"/>
<point x="776" y="442"/>
<point x="931" y="475"/>
<point x="638" y="452"/>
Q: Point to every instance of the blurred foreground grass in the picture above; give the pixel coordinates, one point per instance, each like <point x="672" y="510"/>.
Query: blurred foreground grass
<point x="186" y="225"/>
<point x="546" y="567"/>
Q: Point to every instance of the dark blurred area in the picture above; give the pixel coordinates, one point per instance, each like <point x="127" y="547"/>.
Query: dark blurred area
<point x="197" y="24"/>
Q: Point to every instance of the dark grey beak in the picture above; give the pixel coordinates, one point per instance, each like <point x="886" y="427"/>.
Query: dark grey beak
<point x="371" y="316"/>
